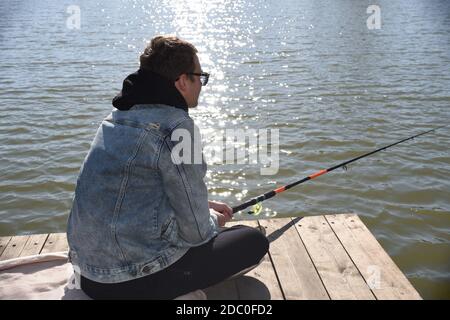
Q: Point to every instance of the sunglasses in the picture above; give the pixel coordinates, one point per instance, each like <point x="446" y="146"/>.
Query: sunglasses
<point x="204" y="77"/>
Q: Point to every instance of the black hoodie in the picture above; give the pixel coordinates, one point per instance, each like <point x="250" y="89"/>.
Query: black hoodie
<point x="147" y="87"/>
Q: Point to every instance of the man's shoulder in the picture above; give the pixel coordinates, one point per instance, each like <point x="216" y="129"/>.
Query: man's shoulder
<point x="164" y="118"/>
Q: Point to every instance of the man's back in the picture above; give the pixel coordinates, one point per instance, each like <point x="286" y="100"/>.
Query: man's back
<point x="122" y="224"/>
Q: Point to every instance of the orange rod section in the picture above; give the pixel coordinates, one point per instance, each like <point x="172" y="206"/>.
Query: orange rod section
<point x="319" y="173"/>
<point x="280" y="189"/>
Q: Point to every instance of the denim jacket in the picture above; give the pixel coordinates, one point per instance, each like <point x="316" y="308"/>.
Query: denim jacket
<point x="135" y="211"/>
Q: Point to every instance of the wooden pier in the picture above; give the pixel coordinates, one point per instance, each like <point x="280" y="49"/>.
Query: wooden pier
<point x="321" y="257"/>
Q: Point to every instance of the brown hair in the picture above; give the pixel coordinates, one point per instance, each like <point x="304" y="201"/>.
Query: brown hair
<point x="168" y="56"/>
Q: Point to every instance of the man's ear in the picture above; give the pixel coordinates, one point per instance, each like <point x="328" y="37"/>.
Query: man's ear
<point x="180" y="84"/>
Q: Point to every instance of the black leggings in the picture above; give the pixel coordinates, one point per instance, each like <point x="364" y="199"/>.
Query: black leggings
<point x="232" y="250"/>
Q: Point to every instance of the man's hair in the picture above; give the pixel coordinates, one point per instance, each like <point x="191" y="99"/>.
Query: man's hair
<point x="168" y="56"/>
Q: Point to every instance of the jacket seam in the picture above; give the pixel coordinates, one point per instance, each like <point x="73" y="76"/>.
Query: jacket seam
<point x="121" y="196"/>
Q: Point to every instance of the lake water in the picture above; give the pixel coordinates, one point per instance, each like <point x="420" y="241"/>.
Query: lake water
<point x="311" y="69"/>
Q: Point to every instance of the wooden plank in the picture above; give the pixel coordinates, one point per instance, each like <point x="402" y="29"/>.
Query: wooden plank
<point x="379" y="271"/>
<point x="296" y="272"/>
<point x="55" y="242"/>
<point x="34" y="245"/>
<point x="340" y="276"/>
<point x="3" y="243"/>
<point x="14" y="247"/>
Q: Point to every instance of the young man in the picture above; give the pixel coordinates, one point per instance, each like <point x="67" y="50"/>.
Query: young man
<point x="141" y="225"/>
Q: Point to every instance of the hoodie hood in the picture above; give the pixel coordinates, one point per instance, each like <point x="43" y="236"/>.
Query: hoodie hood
<point x="147" y="87"/>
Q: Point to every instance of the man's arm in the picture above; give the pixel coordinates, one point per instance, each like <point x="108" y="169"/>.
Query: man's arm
<point x="183" y="183"/>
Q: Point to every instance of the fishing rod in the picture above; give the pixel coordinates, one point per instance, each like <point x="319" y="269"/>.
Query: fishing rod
<point x="272" y="193"/>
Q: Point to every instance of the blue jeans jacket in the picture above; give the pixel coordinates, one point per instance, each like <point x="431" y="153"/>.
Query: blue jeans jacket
<point x="135" y="211"/>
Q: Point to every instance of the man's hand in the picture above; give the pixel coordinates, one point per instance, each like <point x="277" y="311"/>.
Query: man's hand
<point x="223" y="212"/>
<point x="222" y="208"/>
